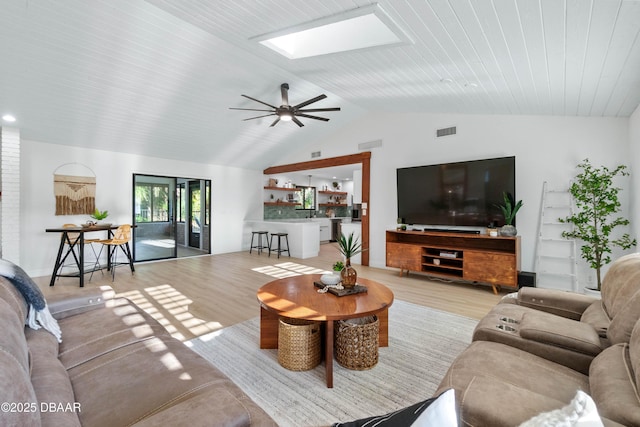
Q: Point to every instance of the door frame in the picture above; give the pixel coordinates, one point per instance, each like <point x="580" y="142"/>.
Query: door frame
<point x="364" y="159"/>
<point x="171" y="213"/>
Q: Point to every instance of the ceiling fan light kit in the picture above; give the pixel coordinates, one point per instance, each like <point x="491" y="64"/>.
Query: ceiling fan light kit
<point x="286" y="112"/>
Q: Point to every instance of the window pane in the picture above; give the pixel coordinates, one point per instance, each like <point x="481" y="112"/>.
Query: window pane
<point x="308" y="195"/>
<point x="160" y="205"/>
<point x="143" y="210"/>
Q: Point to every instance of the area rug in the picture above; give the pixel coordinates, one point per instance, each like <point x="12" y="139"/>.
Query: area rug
<point x="422" y="344"/>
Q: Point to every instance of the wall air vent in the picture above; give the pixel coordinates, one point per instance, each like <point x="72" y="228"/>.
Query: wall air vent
<point x="369" y="145"/>
<point x="315" y="154"/>
<point x="446" y="131"/>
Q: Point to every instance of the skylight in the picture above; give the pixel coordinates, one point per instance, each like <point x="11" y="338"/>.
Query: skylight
<point x="361" y="28"/>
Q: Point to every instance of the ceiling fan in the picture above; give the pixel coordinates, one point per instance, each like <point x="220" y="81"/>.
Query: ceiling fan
<point x="286" y="112"/>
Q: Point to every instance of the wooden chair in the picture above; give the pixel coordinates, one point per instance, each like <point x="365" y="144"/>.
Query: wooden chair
<point x="121" y="238"/>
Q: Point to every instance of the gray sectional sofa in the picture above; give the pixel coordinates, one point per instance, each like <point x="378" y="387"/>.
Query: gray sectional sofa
<point x="115" y="366"/>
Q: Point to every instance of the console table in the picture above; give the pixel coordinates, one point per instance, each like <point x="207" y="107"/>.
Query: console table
<point x="457" y="256"/>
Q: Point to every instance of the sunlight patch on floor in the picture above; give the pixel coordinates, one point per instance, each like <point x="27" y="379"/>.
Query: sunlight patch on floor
<point x="288" y="269"/>
<point x="161" y="243"/>
<point x="165" y="298"/>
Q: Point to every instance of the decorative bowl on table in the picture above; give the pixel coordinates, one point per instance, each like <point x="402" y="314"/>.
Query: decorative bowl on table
<point x="330" y="279"/>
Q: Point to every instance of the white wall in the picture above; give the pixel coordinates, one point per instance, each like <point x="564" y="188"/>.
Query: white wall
<point x="546" y="148"/>
<point x="634" y="147"/>
<point x="236" y="196"/>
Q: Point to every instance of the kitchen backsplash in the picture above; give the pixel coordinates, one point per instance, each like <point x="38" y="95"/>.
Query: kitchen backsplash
<point x="290" y="212"/>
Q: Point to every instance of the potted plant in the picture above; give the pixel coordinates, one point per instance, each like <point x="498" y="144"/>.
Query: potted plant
<point x="509" y="209"/>
<point x="338" y="266"/>
<point x="349" y="247"/>
<point x="597" y="203"/>
<point x="99" y="215"/>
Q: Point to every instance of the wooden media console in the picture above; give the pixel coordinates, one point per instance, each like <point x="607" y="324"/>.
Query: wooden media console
<point x="456" y="256"/>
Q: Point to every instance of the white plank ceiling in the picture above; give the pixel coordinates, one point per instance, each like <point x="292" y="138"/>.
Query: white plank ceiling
<point x="157" y="77"/>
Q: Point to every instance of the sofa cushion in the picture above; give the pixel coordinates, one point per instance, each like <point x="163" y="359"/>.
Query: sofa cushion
<point x="101" y="330"/>
<point x="15" y="382"/>
<point x="509" y="317"/>
<point x="207" y="409"/>
<point x="148" y="377"/>
<point x="620" y="283"/>
<point x="596" y="316"/>
<point x="20" y="405"/>
<point x="613" y="385"/>
<point x="13" y="298"/>
<point x="489" y="375"/>
<point x="624" y="320"/>
<point x="565" y="304"/>
<point x="12" y="341"/>
<point x="50" y="381"/>
<point x="634" y="356"/>
<point x="558" y="331"/>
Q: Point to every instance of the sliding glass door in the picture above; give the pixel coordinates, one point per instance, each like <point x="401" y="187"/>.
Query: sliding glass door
<point x="154" y="217"/>
<point x="171" y="217"/>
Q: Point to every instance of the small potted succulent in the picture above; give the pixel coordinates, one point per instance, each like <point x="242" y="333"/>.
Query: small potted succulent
<point x="338" y="266"/>
<point x="509" y="209"/>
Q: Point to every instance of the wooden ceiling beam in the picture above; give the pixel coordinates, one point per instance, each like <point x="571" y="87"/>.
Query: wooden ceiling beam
<point x="349" y="159"/>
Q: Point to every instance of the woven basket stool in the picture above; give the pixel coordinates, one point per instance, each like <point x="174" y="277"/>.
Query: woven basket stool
<point x="299" y="344"/>
<point x="356" y="343"/>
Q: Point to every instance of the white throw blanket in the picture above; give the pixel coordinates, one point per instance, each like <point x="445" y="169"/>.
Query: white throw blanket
<point x="43" y="318"/>
<point x="39" y="315"/>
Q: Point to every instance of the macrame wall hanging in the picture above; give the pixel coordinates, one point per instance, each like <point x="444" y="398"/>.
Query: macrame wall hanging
<point x="75" y="194"/>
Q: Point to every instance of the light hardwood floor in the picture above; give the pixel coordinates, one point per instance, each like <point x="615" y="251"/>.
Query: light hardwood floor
<point x="198" y="295"/>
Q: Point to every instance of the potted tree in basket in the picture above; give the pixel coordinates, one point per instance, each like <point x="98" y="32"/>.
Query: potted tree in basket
<point x="509" y="209"/>
<point x="596" y="200"/>
<point x="349" y="247"/>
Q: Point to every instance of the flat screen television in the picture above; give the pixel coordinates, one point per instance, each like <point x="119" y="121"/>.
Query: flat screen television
<point x="456" y="194"/>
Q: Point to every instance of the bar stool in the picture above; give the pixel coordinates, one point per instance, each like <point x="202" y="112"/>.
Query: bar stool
<point x="279" y="249"/>
<point x="260" y="246"/>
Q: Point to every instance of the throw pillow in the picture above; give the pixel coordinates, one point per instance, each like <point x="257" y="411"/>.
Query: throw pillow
<point x="581" y="412"/>
<point x="438" y="411"/>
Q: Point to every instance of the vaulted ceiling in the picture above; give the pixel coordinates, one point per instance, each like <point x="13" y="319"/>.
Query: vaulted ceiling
<point x="157" y="77"/>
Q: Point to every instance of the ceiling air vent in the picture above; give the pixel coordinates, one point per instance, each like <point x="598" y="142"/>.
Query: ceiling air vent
<point x="446" y="131"/>
<point x="370" y="144"/>
<point x="315" y="154"/>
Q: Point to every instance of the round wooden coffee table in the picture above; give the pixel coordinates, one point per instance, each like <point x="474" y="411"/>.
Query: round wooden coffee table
<point x="296" y="297"/>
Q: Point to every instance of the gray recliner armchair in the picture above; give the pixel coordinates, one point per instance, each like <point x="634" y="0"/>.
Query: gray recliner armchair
<point x="566" y="327"/>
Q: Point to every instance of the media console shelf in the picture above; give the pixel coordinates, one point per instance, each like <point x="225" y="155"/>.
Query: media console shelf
<point x="456" y="256"/>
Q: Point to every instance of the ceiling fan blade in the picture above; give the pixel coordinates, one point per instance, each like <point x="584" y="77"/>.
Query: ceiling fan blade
<point x="257" y="100"/>
<point x="247" y="109"/>
<point x="310" y="101"/>
<point x="313" y="117"/>
<point x="296" y="121"/>
<point x="284" y="90"/>
<point x="275" y="122"/>
<point x="315" y="110"/>
<point x="257" y="117"/>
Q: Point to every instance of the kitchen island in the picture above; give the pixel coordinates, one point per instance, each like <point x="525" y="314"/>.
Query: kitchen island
<point x="304" y="234"/>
